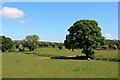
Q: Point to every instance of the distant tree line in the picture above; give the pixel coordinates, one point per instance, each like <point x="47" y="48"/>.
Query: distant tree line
<point x="112" y="44"/>
<point x="31" y="42"/>
<point x="107" y="44"/>
<point x="50" y="44"/>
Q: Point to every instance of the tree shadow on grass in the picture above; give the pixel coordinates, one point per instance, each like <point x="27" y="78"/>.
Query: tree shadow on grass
<point x="70" y="58"/>
<point x="85" y="58"/>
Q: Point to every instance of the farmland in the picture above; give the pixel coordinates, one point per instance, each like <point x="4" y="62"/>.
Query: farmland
<point x="27" y="65"/>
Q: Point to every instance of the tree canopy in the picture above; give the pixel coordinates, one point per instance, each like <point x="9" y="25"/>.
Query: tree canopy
<point x="32" y="41"/>
<point x="5" y="43"/>
<point x="84" y="34"/>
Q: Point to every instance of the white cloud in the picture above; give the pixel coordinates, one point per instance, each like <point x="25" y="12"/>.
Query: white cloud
<point x="108" y="36"/>
<point x="12" y="13"/>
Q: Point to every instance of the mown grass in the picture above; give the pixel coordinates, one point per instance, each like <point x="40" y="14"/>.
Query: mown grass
<point x="106" y="53"/>
<point x="56" y="52"/>
<point x="65" y="52"/>
<point x="29" y="66"/>
<point x="0" y="65"/>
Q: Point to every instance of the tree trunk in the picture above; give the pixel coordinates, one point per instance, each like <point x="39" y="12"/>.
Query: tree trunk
<point x="87" y="51"/>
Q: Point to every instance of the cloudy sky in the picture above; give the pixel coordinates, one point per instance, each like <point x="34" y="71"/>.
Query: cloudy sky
<point x="50" y="20"/>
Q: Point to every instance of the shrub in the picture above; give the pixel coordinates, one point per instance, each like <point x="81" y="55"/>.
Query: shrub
<point x="60" y="47"/>
<point x="12" y="49"/>
<point x="105" y="47"/>
<point x="53" y="45"/>
<point x="114" y="47"/>
<point x="104" y="58"/>
<point x="118" y="60"/>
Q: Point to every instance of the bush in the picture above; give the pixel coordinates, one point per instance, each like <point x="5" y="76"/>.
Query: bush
<point x="104" y="58"/>
<point x="53" y="45"/>
<point x="41" y="45"/>
<point x="114" y="47"/>
<point x="118" y="60"/>
<point x="46" y="45"/>
<point x="105" y="47"/>
<point x="60" y="47"/>
<point x="12" y="49"/>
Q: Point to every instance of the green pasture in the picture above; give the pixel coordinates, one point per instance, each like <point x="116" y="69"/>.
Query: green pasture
<point x="25" y="65"/>
<point x="0" y="65"/>
<point x="65" y="52"/>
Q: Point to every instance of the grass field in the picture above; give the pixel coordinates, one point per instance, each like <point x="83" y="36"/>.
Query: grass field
<point x="19" y="65"/>
<point x="0" y="65"/>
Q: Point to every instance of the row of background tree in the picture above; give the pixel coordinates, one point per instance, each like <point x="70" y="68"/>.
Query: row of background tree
<point x="41" y="44"/>
<point x="32" y="42"/>
<point x="107" y="44"/>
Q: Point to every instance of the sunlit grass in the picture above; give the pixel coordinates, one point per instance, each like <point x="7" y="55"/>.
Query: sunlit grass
<point x="0" y="64"/>
<point x="19" y="65"/>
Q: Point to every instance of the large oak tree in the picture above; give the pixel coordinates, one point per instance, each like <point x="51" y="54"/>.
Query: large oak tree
<point x="84" y="34"/>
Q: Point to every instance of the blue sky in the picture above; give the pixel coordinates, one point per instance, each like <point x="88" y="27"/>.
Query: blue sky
<point x="50" y="20"/>
<point x="61" y="0"/>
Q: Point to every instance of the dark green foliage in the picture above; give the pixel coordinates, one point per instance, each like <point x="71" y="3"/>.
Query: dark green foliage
<point x="6" y="43"/>
<point x="114" y="47"/>
<point x="24" y="43"/>
<point x="43" y="44"/>
<point x="48" y="44"/>
<point x="60" y="47"/>
<point x="58" y="43"/>
<point x="105" y="47"/>
<point x="17" y="43"/>
<point x="12" y="49"/>
<point x="112" y="44"/>
<point x="32" y="46"/>
<point x="53" y="45"/>
<point x="84" y="34"/>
